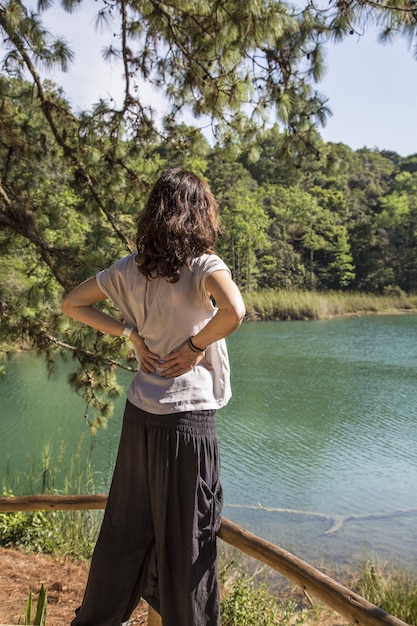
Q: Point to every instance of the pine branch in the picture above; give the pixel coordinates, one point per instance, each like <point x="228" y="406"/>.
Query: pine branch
<point x="20" y="229"/>
<point x="87" y="353"/>
<point x="172" y="29"/>
<point x="44" y="248"/>
<point x="47" y="107"/>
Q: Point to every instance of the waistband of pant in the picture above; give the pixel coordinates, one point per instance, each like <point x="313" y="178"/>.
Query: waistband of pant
<point x="193" y="422"/>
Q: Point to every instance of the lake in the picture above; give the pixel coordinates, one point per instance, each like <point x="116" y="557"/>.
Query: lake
<point x="318" y="442"/>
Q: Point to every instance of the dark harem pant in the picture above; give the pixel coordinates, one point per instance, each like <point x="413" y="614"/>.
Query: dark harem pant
<point x="158" y="536"/>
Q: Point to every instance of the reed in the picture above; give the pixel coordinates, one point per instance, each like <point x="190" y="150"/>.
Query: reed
<point x="393" y="589"/>
<point x="59" y="533"/>
<point x="278" y="304"/>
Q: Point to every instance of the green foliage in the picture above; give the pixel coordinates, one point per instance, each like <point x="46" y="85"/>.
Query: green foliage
<point x="253" y="605"/>
<point x="59" y="533"/>
<point x="244" y="222"/>
<point x="297" y="213"/>
<point x="395" y="591"/>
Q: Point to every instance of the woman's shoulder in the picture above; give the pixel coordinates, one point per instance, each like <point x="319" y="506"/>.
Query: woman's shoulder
<point x="125" y="262"/>
<point x="123" y="266"/>
<point x="208" y="262"/>
<point x="209" y="258"/>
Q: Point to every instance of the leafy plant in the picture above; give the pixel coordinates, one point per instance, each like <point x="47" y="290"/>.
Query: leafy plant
<point x="40" y="613"/>
<point x="253" y="605"/>
<point x="60" y="533"/>
<point x="63" y="533"/>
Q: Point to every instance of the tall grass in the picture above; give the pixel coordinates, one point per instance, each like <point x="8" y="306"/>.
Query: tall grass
<point x="278" y="304"/>
<point x="59" y="533"/>
<point x="51" y="471"/>
<point x="253" y="598"/>
<point x="392" y="589"/>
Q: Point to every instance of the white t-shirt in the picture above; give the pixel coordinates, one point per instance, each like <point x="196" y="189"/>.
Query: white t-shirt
<point x="166" y="315"/>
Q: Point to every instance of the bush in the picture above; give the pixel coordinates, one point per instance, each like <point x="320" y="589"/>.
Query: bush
<point x="59" y="533"/>
<point x="253" y="605"/>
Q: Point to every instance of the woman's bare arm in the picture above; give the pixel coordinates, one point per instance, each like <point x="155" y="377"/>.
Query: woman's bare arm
<point x="79" y="305"/>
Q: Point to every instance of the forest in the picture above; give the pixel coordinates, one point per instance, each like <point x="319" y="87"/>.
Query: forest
<point x="297" y="213"/>
<point x="336" y="219"/>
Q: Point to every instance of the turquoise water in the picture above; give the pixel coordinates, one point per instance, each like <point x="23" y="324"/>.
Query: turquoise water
<point x="318" y="442"/>
<point x="324" y="421"/>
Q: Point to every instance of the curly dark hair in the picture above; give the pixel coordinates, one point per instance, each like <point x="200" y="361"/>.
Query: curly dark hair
<point x="179" y="222"/>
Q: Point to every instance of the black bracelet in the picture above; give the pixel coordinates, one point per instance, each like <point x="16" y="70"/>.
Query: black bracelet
<point x="193" y="347"/>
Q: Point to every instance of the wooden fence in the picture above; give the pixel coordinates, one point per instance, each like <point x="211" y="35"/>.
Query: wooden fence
<point x="344" y="601"/>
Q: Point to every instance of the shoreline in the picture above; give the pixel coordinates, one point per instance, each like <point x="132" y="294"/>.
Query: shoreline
<point x="280" y="318"/>
<point x="283" y="305"/>
<point x="288" y="306"/>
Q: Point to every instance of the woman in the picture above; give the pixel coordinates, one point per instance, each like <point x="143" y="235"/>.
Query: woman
<point x="158" y="536"/>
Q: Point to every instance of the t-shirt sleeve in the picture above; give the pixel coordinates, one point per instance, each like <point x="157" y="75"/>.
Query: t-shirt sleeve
<point x="212" y="263"/>
<point x="111" y="280"/>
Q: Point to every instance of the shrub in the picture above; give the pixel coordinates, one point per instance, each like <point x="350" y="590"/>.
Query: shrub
<point x="253" y="605"/>
<point x="60" y="533"/>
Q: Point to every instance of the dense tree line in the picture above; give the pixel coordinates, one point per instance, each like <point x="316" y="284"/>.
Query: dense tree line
<point x="342" y="220"/>
<point x="296" y="212"/>
<point x="338" y="219"/>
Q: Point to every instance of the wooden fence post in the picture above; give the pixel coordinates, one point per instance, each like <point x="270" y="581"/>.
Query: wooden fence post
<point x="154" y="619"/>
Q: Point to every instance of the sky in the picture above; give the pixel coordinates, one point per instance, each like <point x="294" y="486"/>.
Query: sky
<point x="371" y="88"/>
<point x="372" y="91"/>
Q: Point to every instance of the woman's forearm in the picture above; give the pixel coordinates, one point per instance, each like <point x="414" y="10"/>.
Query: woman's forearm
<point x="230" y="309"/>
<point x="91" y="316"/>
<point x="79" y="305"/>
<point x="224" y="323"/>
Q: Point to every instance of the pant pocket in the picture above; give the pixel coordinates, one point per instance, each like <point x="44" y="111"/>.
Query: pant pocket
<point x="208" y="510"/>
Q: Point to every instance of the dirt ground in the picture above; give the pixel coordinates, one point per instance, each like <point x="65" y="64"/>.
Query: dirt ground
<point x="23" y="573"/>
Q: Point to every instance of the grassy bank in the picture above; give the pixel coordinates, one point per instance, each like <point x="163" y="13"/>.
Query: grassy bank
<point x="390" y="587"/>
<point x="252" y="594"/>
<point x="277" y="304"/>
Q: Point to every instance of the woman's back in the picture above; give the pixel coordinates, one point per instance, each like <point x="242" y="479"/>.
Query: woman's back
<point x="166" y="314"/>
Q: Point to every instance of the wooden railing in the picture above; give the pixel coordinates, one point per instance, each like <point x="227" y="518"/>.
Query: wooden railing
<point x="344" y="601"/>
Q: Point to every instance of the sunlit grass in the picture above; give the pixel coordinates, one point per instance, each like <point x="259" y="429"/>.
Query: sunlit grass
<point x="393" y="590"/>
<point x="277" y="304"/>
<point x="59" y="533"/>
<point x="247" y="587"/>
